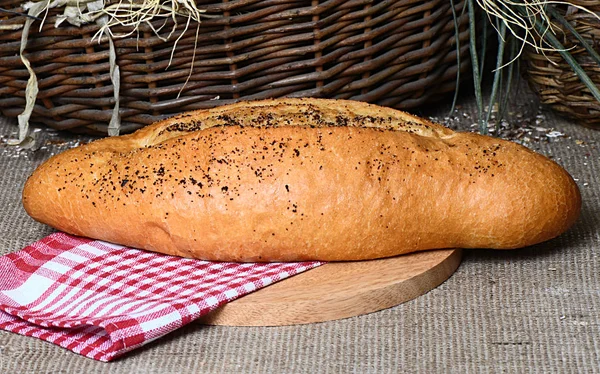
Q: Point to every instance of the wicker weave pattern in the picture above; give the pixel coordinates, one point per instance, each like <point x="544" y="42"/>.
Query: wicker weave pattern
<point x="398" y="53"/>
<point x="553" y="79"/>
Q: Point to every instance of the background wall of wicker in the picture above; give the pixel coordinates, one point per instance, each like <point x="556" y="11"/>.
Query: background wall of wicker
<point x="553" y="79"/>
<point x="398" y="53"/>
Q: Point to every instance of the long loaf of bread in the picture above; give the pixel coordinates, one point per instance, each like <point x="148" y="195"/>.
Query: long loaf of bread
<point x="303" y="179"/>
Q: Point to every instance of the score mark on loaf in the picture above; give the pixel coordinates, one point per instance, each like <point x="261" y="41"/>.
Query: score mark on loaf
<point x="303" y="179"/>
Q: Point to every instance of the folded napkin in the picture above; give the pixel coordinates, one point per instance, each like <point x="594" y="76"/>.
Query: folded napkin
<point x="101" y="300"/>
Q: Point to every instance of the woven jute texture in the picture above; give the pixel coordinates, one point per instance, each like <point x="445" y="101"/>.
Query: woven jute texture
<point x="534" y="310"/>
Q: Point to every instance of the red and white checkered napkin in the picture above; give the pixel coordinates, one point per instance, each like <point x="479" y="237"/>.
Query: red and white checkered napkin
<point x="101" y="300"/>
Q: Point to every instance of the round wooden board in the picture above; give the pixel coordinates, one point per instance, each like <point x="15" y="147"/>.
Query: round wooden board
<point x="339" y="290"/>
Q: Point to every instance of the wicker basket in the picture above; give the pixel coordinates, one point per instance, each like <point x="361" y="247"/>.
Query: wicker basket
<point x="397" y="53"/>
<point x="553" y="79"/>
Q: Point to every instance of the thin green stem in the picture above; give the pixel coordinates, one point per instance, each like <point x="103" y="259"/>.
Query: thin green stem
<point x="2" y="10"/>
<point x="484" y="45"/>
<point x="507" y="87"/>
<point x="498" y="71"/>
<point x="475" y="65"/>
<point x="457" y="39"/>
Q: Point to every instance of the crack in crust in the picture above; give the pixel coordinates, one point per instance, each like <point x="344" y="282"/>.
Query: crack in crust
<point x="294" y="112"/>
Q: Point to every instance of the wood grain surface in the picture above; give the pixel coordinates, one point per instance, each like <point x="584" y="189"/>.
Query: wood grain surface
<point x="340" y="290"/>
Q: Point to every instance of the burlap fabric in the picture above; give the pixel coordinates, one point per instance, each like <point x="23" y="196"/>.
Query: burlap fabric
<point x="533" y="310"/>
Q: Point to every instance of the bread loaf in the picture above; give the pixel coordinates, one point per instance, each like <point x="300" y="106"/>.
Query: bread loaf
<point x="303" y="179"/>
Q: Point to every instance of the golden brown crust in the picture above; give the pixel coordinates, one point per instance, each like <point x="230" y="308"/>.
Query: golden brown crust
<point x="297" y="179"/>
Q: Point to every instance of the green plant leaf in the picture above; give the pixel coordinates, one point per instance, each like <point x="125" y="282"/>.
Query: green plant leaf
<point x="554" y="42"/>
<point x="554" y="13"/>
